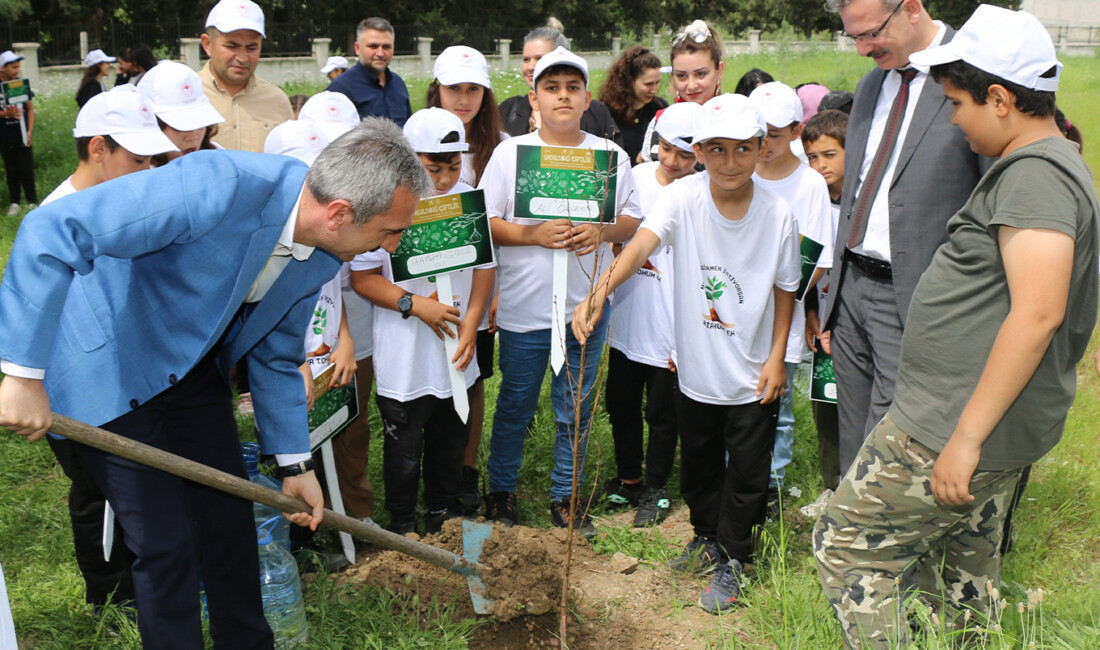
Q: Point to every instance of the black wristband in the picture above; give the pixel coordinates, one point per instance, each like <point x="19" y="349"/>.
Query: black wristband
<point x="297" y="469"/>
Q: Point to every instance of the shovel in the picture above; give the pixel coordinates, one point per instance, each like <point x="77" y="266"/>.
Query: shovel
<point x="473" y="534"/>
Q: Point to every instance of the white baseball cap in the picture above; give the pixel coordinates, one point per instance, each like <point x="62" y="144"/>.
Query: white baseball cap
<point x="127" y="118"/>
<point x="778" y="103"/>
<point x="231" y="15"/>
<point x="298" y="138"/>
<point x="426" y="129"/>
<point x="7" y="56"/>
<point x="334" y="63"/>
<point x="459" y="64"/>
<point x="332" y="112"/>
<point x="676" y="124"/>
<point x="1012" y="45"/>
<point x="730" y="116"/>
<point x="175" y="93"/>
<point x="98" y="56"/>
<point x="560" y="56"/>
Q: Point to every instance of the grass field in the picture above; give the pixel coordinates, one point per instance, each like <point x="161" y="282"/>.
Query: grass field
<point x="1057" y="526"/>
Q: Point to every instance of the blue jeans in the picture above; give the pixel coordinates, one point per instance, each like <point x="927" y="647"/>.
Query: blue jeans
<point x="523" y="360"/>
<point x="784" y="432"/>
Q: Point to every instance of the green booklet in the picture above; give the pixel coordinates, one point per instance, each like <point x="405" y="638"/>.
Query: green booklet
<point x="810" y="250"/>
<point x="822" y="380"/>
<point x="566" y="183"/>
<point x="333" y="408"/>
<point x="448" y="233"/>
<point x="16" y="91"/>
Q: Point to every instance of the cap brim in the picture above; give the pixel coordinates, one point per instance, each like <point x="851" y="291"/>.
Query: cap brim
<point x="935" y="56"/>
<point x="225" y="28"/>
<point x="192" y="117"/>
<point x="584" y="73"/>
<point x="144" y="143"/>
<point x="730" y="133"/>
<point x="451" y="78"/>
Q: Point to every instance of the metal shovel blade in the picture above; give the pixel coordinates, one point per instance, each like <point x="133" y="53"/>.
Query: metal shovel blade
<point x="474" y="535"/>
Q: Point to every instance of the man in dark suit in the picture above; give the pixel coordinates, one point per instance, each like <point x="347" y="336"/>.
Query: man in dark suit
<point x="907" y="171"/>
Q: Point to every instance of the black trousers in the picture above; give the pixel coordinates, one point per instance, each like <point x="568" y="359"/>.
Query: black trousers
<point x="627" y="381"/>
<point x="180" y="531"/>
<point x="105" y="580"/>
<point x="425" y="428"/>
<point x="19" y="167"/>
<point x="727" y="500"/>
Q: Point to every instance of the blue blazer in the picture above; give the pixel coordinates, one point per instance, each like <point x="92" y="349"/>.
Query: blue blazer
<point x="120" y="289"/>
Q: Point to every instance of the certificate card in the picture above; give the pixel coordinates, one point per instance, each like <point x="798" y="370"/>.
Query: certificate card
<point x="810" y="250"/>
<point x="822" y="381"/>
<point x="566" y="183"/>
<point x="448" y="233"/>
<point x="333" y="408"/>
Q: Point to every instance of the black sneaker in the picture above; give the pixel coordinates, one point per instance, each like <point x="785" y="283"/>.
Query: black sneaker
<point x="402" y="524"/>
<point x="622" y="495"/>
<point x="501" y="507"/>
<point x="653" y="508"/>
<point x="469" y="495"/>
<point x="433" y="523"/>
<point x="559" y="516"/>
<point x="701" y="556"/>
<point x="724" y="588"/>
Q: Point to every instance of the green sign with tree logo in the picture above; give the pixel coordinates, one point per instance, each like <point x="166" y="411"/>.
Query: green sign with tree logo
<point x="448" y="233"/>
<point x="566" y="183"/>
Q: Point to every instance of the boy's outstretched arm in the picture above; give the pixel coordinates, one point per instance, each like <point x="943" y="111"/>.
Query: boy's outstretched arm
<point x="773" y="378"/>
<point x="588" y="311"/>
<point x="1038" y="265"/>
<point x="373" y="286"/>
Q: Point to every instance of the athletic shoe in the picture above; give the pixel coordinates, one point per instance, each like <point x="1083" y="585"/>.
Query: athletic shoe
<point x="501" y="507"/>
<point x="31" y="206"/>
<point x="724" y="588"/>
<point x="13" y="209"/>
<point x="559" y="516"/>
<point x="433" y="523"/>
<point x="701" y="556"/>
<point x="402" y="525"/>
<point x="653" y="508"/>
<point x="621" y="495"/>
<point x="469" y="495"/>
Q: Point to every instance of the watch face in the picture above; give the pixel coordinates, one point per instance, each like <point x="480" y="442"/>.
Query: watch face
<point x="405" y="303"/>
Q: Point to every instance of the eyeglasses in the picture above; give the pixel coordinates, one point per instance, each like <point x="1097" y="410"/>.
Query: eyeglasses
<point x="698" y="31"/>
<point x="870" y="36"/>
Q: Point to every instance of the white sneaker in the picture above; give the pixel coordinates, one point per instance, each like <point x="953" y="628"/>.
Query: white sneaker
<point x="13" y="209"/>
<point x="31" y="206"/>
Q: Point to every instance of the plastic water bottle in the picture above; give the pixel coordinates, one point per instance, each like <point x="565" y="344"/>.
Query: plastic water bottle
<point x="281" y="590"/>
<point x="261" y="513"/>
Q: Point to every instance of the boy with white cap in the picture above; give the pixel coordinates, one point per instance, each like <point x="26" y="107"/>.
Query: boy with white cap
<point x="640" y="337"/>
<point x="332" y="112"/>
<point x="734" y="274"/>
<point x="334" y="67"/>
<point x="185" y="114"/>
<point x="785" y="175"/>
<point x="413" y="389"/>
<point x="997" y="325"/>
<point x="524" y="315"/>
<point x="251" y="106"/>
<point x="116" y="134"/>
<point x="15" y="151"/>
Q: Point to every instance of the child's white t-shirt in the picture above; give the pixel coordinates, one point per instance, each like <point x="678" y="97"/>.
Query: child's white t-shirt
<point x="323" y="332"/>
<point x="468" y="175"/>
<point x="823" y="284"/>
<point x="641" y="310"/>
<point x="526" y="272"/>
<point x="410" y="361"/>
<point x="723" y="343"/>
<point x="64" y="189"/>
<point x="808" y="195"/>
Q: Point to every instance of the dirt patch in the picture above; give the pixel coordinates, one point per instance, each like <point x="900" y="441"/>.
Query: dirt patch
<point x="650" y="608"/>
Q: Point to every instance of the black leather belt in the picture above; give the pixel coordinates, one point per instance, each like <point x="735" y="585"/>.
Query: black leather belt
<point x="871" y="267"/>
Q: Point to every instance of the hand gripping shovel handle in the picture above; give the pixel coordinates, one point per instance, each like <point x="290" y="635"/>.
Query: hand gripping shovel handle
<point x="219" y="480"/>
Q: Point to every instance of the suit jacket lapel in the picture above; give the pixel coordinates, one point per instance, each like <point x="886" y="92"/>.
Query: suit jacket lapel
<point x="929" y="103"/>
<point x="859" y="127"/>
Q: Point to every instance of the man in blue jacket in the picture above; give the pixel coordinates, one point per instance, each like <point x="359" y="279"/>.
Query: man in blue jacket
<point x="125" y="304"/>
<point x="370" y="84"/>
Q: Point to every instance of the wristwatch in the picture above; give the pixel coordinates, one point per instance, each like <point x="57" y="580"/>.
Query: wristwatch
<point x="405" y="304"/>
<point x="297" y="469"/>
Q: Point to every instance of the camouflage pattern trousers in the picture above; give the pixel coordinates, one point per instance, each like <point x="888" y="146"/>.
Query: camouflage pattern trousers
<point x="884" y="538"/>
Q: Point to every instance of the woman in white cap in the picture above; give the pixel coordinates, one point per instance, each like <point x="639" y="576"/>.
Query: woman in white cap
<point x="99" y="66"/>
<point x="183" y="111"/>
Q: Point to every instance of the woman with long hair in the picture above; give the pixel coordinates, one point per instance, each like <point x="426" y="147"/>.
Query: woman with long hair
<point x="185" y="115"/>
<point x="630" y="92"/>
<point x="91" y="84"/>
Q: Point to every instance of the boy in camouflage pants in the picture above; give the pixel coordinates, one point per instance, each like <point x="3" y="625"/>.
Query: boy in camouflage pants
<point x="988" y="361"/>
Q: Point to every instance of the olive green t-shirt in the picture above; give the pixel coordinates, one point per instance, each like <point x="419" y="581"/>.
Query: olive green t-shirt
<point x="962" y="300"/>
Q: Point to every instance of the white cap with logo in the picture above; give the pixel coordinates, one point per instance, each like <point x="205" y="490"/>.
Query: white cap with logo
<point x="730" y="116"/>
<point x="98" y="56"/>
<point x="174" y="91"/>
<point x="127" y="118"/>
<point x="334" y="63"/>
<point x="231" y="15"/>
<point x="298" y="138"/>
<point x="560" y="56"/>
<point x="1012" y="45"/>
<point x="778" y="103"/>
<point x="332" y="112"/>
<point x="676" y="124"/>
<point x="427" y="129"/>
<point x="459" y="64"/>
<point x="7" y="56"/>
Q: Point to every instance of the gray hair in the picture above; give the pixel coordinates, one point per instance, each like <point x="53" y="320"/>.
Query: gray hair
<point x="365" y="166"/>
<point x="377" y="24"/>
<point x="556" y="38"/>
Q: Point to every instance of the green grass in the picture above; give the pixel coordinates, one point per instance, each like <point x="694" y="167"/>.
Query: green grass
<point x="1057" y="525"/>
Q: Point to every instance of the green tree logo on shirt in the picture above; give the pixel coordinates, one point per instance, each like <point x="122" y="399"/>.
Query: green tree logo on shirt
<point x="713" y="289"/>
<point x="320" y="320"/>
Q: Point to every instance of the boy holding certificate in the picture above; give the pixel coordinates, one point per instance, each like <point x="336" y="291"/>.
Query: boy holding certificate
<point x="423" y="430"/>
<point x="735" y="270"/>
<point x="570" y="175"/>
